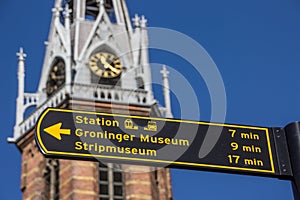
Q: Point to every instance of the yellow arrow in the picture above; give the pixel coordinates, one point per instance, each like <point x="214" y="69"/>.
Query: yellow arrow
<point x="56" y="131"/>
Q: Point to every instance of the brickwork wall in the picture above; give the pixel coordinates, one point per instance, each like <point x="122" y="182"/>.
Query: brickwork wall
<point x="164" y="184"/>
<point x="78" y="180"/>
<point x="139" y="183"/>
<point x="33" y="164"/>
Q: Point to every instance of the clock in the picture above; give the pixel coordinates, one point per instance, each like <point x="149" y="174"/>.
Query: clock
<point x="105" y="65"/>
<point x="56" y="77"/>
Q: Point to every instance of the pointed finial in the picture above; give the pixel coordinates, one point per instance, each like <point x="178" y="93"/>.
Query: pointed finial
<point x="66" y="14"/>
<point x="67" y="11"/>
<point x="56" y="11"/>
<point x="143" y="22"/>
<point x="164" y="72"/>
<point x="21" y="54"/>
<point x="136" y="21"/>
<point x="100" y="2"/>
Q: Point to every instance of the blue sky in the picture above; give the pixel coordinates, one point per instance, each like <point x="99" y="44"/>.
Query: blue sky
<point x="255" y="45"/>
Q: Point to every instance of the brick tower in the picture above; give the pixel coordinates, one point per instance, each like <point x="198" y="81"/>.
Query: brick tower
<point x="95" y="60"/>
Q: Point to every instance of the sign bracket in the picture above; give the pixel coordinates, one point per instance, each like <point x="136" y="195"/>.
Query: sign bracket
<point x="282" y="152"/>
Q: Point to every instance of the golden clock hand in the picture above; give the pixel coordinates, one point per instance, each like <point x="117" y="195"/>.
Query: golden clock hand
<point x="113" y="69"/>
<point x="107" y="65"/>
<point x="103" y="60"/>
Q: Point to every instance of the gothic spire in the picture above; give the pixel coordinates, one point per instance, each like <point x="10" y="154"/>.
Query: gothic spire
<point x="21" y="75"/>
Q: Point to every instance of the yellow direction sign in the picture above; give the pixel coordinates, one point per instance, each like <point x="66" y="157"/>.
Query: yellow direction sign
<point x="162" y="142"/>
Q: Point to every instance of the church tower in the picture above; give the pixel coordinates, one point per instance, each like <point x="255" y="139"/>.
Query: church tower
<point x="96" y="60"/>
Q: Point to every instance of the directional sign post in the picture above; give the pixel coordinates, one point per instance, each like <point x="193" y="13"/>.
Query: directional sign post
<point x="293" y="140"/>
<point x="162" y="142"/>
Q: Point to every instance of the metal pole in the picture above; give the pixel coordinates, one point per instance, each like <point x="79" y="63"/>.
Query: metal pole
<point x="293" y="141"/>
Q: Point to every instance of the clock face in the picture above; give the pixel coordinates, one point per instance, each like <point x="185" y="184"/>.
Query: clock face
<point x="56" y="77"/>
<point x="105" y="65"/>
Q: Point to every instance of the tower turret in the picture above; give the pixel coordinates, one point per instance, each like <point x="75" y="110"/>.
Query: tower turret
<point x="94" y="60"/>
<point x="21" y="76"/>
